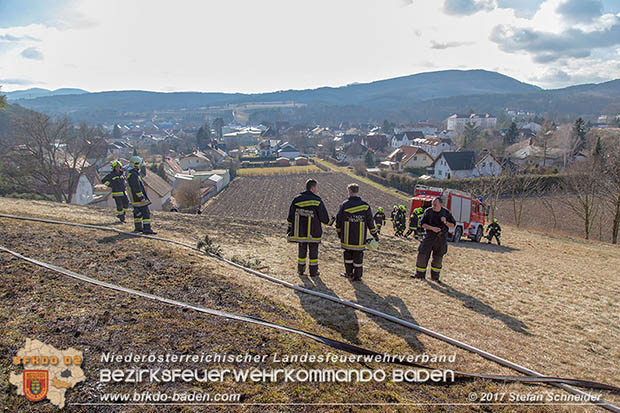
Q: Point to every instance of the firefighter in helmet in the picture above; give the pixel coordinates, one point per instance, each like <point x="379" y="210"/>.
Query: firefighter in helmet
<point x="414" y="222"/>
<point x="353" y="219"/>
<point x="379" y="219"/>
<point x="494" y="230"/>
<point x="393" y="217"/>
<point x="116" y="181"/>
<point x="138" y="197"/>
<point x="401" y="220"/>
<point x="436" y="221"/>
<point x="306" y="214"/>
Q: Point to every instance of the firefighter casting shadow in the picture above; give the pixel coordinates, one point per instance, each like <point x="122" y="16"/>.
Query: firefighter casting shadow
<point x="483" y="246"/>
<point x="327" y="313"/>
<point x="481" y="308"/>
<point x="390" y="305"/>
<point x="114" y="238"/>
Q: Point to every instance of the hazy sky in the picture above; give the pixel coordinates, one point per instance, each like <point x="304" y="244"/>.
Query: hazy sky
<point x="266" y="45"/>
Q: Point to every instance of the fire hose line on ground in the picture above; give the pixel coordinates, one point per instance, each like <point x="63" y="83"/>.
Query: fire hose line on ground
<point x="531" y="375"/>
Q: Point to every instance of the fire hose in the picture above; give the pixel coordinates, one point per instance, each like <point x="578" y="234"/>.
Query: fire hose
<point x="531" y="375"/>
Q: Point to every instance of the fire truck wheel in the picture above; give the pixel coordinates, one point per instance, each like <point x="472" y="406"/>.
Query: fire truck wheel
<point x="478" y="234"/>
<point x="458" y="233"/>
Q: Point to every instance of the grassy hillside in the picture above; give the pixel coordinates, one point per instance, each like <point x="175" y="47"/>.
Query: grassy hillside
<point x="534" y="301"/>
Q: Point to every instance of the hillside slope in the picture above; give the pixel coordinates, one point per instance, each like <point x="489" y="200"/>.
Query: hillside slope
<point x="534" y="302"/>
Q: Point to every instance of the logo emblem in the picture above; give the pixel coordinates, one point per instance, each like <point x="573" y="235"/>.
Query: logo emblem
<point x="36" y="384"/>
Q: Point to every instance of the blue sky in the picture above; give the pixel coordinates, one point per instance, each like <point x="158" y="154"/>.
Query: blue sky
<point x="252" y="46"/>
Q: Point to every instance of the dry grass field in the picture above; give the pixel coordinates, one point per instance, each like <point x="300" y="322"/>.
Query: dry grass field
<point x="547" y="302"/>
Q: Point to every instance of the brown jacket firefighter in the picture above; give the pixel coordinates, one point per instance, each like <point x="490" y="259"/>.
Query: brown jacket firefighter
<point x="437" y="221"/>
<point x="305" y="216"/>
<point x="352" y="221"/>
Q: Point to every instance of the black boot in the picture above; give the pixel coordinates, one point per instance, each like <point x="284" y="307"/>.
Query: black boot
<point x="121" y="217"/>
<point x="148" y="230"/>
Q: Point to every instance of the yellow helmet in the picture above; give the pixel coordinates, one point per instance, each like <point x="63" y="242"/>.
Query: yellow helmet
<point x="116" y="163"/>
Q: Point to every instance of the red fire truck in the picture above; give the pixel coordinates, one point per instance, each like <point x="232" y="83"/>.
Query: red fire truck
<point x="468" y="211"/>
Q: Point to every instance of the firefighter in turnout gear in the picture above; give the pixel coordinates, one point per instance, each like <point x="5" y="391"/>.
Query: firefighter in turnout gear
<point x="116" y="181"/>
<point x="414" y="223"/>
<point x="393" y="217"/>
<point x="353" y="219"/>
<point x="379" y="219"/>
<point x="305" y="216"/>
<point x="401" y="221"/>
<point x="437" y="221"/>
<point x="494" y="230"/>
<point x="138" y="197"/>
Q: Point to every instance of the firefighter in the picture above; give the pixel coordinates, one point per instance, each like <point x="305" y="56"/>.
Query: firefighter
<point x="436" y="221"/>
<point x="414" y="222"/>
<point x="353" y="219"/>
<point x="379" y="219"/>
<point x="393" y="217"/>
<point x="138" y="197"/>
<point x="305" y="216"/>
<point x="401" y="220"/>
<point x="494" y="230"/>
<point x="116" y="181"/>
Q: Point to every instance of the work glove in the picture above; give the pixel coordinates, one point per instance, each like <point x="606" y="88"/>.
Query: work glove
<point x="331" y="221"/>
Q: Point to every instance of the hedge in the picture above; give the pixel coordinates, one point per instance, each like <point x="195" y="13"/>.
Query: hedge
<point x="407" y="183"/>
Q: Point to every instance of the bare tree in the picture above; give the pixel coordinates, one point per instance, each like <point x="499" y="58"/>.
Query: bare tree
<point x="582" y="192"/>
<point x="521" y="188"/>
<point x="548" y="199"/>
<point x="188" y="195"/>
<point x="610" y="181"/>
<point x="50" y="156"/>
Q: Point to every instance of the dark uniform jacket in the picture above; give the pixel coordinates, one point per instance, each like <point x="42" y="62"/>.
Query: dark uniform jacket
<point x="433" y="219"/>
<point x="116" y="181"/>
<point x="414" y="219"/>
<point x="305" y="216"/>
<point x="137" y="193"/>
<point x="380" y="218"/>
<point x="494" y="229"/>
<point x="353" y="219"/>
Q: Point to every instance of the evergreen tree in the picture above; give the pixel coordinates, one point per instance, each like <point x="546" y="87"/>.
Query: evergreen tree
<point x="387" y="127"/>
<point x="218" y="124"/>
<point x="116" y="133"/>
<point x="203" y="137"/>
<point x="470" y="134"/>
<point x="579" y="136"/>
<point x="511" y="135"/>
<point x="369" y="159"/>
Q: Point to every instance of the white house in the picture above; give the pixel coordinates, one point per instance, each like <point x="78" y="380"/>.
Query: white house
<point x="408" y="157"/>
<point x="204" y="176"/>
<point x="457" y="121"/>
<point x="488" y="165"/>
<point x="404" y="138"/>
<point x="433" y="145"/>
<point x="454" y="165"/>
<point x="197" y="161"/>
<point x="288" y="151"/>
<point x="533" y="126"/>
